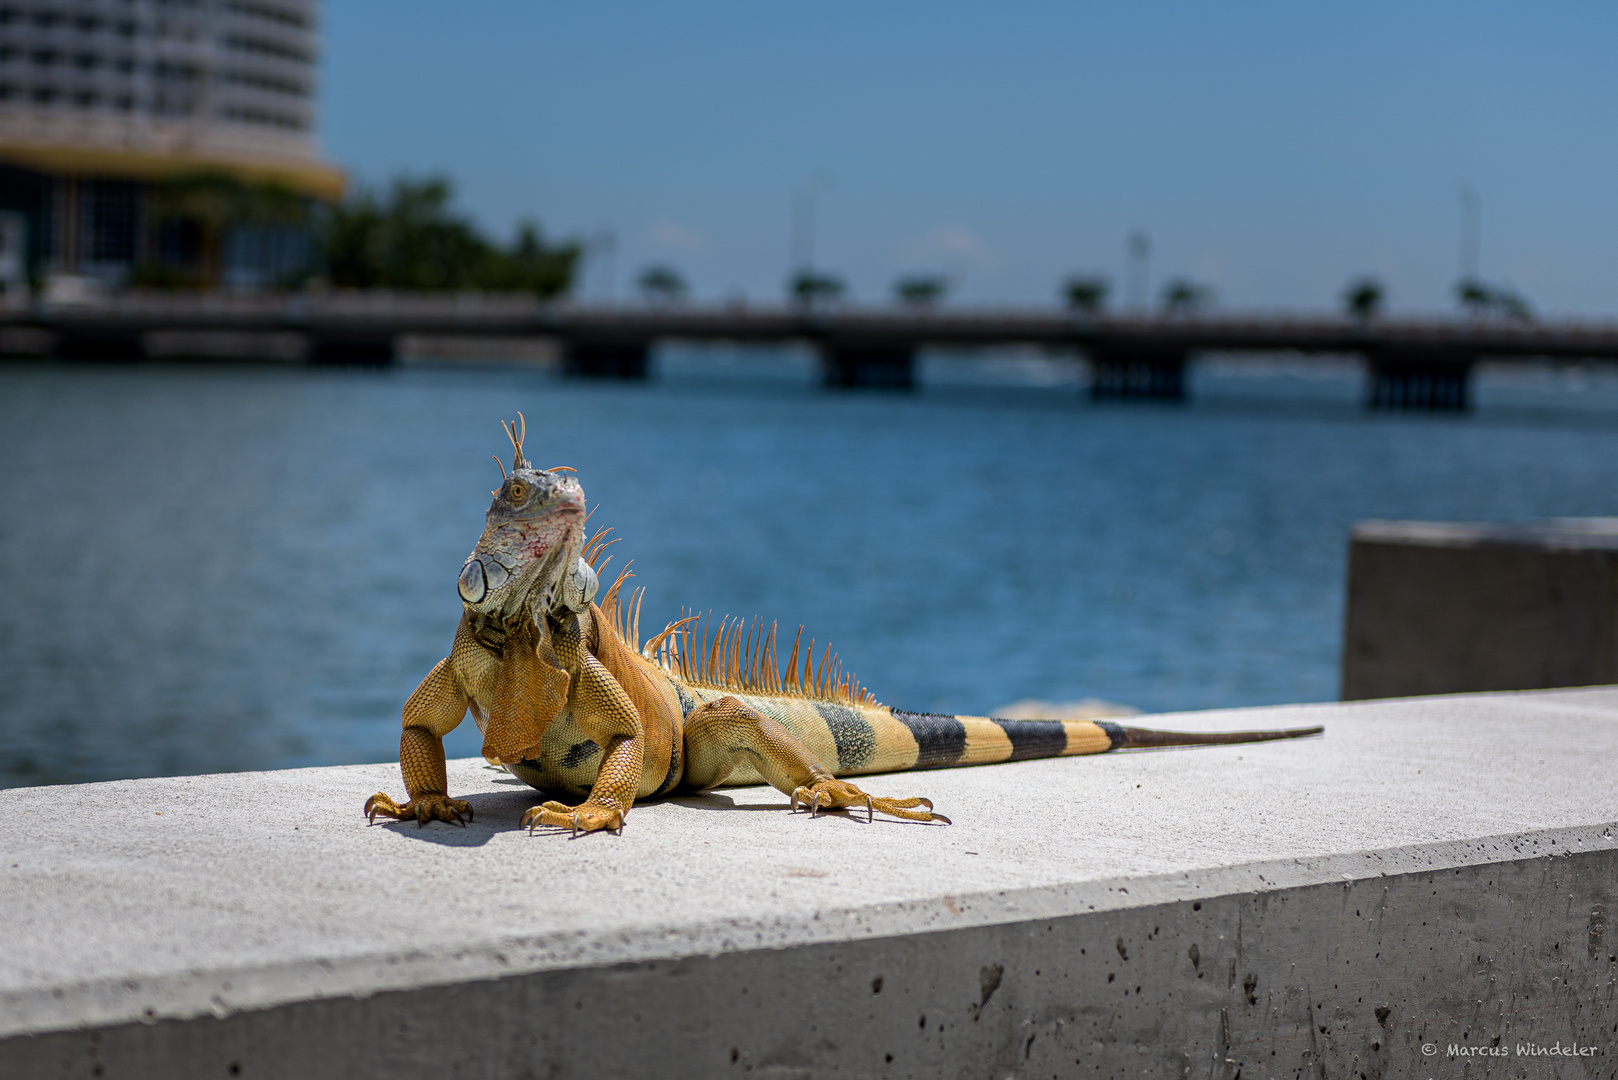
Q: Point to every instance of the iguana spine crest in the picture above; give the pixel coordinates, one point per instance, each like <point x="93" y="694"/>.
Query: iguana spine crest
<point x="730" y="654"/>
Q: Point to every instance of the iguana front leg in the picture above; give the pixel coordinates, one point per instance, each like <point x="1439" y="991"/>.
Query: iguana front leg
<point x="604" y="712"/>
<point x="437" y="705"/>
<point x="721" y="731"/>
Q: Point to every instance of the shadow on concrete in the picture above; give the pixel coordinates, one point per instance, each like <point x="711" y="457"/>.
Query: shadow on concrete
<point x="492" y="812"/>
<point x="713" y="801"/>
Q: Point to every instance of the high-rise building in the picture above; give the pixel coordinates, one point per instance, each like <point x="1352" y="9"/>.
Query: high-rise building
<point x="120" y="119"/>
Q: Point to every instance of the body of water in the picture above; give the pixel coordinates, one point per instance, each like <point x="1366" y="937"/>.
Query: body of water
<point x="208" y="568"/>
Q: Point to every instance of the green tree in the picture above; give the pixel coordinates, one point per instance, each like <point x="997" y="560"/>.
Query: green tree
<point x="1085" y="293"/>
<point x="921" y="290"/>
<point x="200" y="208"/>
<point x="1481" y="299"/>
<point x="1363" y="297"/>
<point x="412" y="239"/>
<point x="809" y="287"/>
<point x="1182" y="296"/>
<point x="662" y="284"/>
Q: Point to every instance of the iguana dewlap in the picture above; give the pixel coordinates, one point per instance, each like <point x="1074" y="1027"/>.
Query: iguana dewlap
<point x="569" y="701"/>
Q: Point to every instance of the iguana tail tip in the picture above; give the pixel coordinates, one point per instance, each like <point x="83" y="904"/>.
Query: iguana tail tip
<point x="1134" y="738"/>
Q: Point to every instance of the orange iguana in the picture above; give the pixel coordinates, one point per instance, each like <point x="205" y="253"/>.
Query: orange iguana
<point x="570" y="702"/>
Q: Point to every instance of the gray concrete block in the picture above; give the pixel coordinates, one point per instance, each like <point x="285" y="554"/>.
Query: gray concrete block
<point x="1428" y="873"/>
<point x="1455" y="607"/>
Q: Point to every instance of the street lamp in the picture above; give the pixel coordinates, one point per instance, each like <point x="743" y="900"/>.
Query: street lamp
<point x="1471" y="232"/>
<point x="605" y="243"/>
<point x="803" y="219"/>
<point x="1140" y="252"/>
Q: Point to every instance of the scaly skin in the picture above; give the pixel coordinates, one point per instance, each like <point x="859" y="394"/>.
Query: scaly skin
<point x="566" y="704"/>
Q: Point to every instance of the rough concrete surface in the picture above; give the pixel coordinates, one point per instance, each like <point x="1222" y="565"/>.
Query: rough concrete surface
<point x="1458" y="607"/>
<point x="1432" y="872"/>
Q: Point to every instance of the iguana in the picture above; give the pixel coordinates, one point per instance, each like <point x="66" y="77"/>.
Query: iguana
<point x="569" y="701"/>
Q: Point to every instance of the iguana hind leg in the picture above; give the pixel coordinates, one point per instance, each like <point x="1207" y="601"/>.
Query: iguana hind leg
<point x="719" y="733"/>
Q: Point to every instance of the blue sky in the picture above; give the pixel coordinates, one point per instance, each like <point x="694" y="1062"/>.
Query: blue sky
<point x="1273" y="151"/>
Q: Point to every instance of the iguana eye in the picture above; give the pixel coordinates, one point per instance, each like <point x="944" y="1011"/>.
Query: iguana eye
<point x="517" y="492"/>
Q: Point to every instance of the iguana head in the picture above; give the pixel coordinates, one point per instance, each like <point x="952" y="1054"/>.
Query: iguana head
<point x="528" y="555"/>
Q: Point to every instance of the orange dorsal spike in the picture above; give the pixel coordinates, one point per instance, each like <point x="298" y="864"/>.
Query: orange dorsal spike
<point x="792" y="665"/>
<point x="772" y="670"/>
<point x="747" y="659"/>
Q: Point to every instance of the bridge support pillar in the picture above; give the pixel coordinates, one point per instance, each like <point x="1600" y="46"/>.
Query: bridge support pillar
<point x="878" y="367"/>
<point x="1442" y="384"/>
<point x="1157" y="376"/>
<point x="607" y="359"/>
<point x="97" y="345"/>
<point x="369" y="350"/>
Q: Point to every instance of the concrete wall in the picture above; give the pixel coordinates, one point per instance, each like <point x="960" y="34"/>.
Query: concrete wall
<point x="1442" y="608"/>
<point x="1375" y="977"/>
<point x="1429" y="874"/>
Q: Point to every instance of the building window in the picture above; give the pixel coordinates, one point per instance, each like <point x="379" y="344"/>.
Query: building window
<point x="260" y="116"/>
<point x="114" y="220"/>
<point x="261" y="47"/>
<point x="179" y="242"/>
<point x="262" y="82"/>
<point x="276" y="15"/>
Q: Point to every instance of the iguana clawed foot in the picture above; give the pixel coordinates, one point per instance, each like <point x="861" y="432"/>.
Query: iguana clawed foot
<point x="586" y="817"/>
<point x="423" y="808"/>
<point x="829" y="793"/>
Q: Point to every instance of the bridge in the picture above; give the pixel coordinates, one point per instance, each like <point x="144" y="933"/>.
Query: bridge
<point x="1412" y="363"/>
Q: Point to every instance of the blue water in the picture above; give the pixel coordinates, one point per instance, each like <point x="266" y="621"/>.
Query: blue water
<point x="235" y="567"/>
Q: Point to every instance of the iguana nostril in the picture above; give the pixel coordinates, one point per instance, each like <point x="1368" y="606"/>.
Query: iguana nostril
<point x="472" y="585"/>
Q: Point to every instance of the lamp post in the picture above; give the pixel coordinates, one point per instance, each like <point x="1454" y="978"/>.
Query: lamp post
<point x="1139" y="247"/>
<point x="803" y="219"/>
<point x="605" y="244"/>
<point x="1471" y="231"/>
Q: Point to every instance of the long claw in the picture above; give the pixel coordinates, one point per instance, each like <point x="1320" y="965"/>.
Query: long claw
<point x="829" y="793"/>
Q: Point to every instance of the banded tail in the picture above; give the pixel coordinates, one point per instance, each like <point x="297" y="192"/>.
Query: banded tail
<point x="737" y="657"/>
<point x="942" y="741"/>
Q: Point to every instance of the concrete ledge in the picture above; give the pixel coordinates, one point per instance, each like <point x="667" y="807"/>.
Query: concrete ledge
<point x="1457" y="607"/>
<point x="1433" y="871"/>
